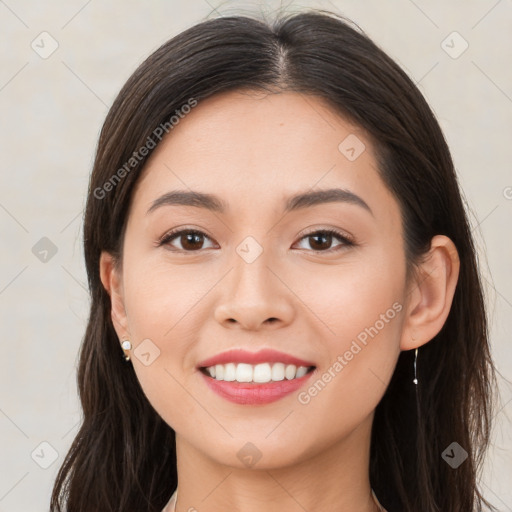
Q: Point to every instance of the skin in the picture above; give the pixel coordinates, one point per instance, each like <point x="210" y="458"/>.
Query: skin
<point x="253" y="151"/>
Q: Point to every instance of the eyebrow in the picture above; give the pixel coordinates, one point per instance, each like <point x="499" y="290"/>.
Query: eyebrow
<point x="293" y="203"/>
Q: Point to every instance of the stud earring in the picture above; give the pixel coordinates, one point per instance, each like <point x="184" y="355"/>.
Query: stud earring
<point x="126" y="346"/>
<point x="415" y="362"/>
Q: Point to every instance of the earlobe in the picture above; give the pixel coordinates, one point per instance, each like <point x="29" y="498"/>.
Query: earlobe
<point x="431" y="293"/>
<point x="112" y="282"/>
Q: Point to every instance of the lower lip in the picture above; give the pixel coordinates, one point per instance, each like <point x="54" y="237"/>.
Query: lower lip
<point x="247" y="393"/>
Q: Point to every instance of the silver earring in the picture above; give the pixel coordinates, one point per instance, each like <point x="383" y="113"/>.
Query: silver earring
<point x="126" y="346"/>
<point x="415" y="361"/>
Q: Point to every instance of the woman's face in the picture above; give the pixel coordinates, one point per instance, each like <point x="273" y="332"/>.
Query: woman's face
<point x="263" y="274"/>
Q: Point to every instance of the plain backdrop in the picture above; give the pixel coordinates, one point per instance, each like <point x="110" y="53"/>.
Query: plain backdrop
<point x="63" y="63"/>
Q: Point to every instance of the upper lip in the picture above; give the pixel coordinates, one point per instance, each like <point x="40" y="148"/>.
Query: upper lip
<point x="267" y="355"/>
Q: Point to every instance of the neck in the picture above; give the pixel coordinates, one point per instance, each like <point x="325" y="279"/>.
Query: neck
<point x="335" y="478"/>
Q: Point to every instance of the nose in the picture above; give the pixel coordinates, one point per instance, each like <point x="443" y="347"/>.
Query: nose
<point x="254" y="296"/>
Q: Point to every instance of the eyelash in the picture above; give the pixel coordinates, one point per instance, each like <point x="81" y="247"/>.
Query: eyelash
<point x="345" y="239"/>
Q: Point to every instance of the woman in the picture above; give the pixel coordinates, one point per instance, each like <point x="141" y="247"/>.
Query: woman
<point x="286" y="308"/>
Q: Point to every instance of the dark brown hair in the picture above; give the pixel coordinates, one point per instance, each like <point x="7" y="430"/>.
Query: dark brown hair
<point x="123" y="457"/>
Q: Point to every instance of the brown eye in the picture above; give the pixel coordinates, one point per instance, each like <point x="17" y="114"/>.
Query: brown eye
<point x="191" y="241"/>
<point x="321" y="240"/>
<point x="188" y="240"/>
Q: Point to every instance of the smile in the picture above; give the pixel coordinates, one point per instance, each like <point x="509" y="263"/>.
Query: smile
<point x="257" y="374"/>
<point x="251" y="392"/>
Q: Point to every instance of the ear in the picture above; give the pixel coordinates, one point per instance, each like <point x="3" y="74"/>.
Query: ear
<point x="430" y="293"/>
<point x="113" y="284"/>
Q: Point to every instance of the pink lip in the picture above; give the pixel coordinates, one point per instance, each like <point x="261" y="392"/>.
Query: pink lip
<point x="267" y="355"/>
<point x="247" y="393"/>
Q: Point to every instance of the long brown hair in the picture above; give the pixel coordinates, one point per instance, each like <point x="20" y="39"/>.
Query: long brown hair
<point x="123" y="457"/>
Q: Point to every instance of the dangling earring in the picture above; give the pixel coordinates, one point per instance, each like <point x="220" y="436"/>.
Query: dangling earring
<point x="415" y="361"/>
<point x="126" y="346"/>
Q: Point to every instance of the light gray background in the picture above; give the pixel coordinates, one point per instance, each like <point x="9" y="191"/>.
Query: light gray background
<point x="52" y="110"/>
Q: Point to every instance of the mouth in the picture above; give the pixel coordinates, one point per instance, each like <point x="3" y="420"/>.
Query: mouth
<point x="255" y="385"/>
<point x="262" y="373"/>
<point x="255" y="378"/>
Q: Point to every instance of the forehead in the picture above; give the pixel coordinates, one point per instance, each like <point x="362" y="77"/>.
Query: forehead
<point x="247" y="145"/>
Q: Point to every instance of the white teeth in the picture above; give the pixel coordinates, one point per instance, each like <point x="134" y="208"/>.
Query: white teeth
<point x="260" y="373"/>
<point x="290" y="371"/>
<point x="243" y="372"/>
<point x="229" y="372"/>
<point x="301" y="371"/>
<point x="278" y="371"/>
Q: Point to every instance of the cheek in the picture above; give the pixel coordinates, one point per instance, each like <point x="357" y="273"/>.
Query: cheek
<point x="162" y="305"/>
<point x="350" y="298"/>
<point x="160" y="296"/>
<point x="159" y="304"/>
<point x="361" y="348"/>
<point x="359" y="313"/>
